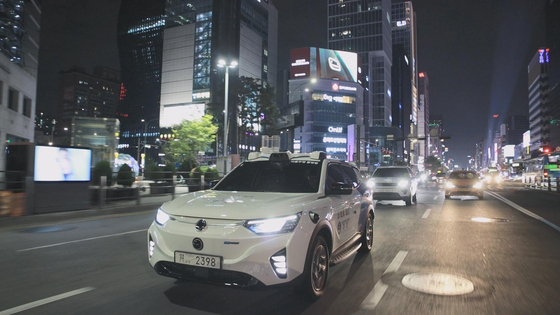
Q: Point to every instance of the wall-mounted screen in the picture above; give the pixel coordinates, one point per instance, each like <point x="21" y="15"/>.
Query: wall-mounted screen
<point x="55" y="164"/>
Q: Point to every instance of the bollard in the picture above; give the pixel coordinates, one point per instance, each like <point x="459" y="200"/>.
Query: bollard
<point x="102" y="185"/>
<point x="138" y="195"/>
<point x="173" y="187"/>
<point x="549" y="187"/>
<point x="201" y="182"/>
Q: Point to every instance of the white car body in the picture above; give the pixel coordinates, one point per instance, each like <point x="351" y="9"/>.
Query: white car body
<point x="245" y="256"/>
<point x="393" y="187"/>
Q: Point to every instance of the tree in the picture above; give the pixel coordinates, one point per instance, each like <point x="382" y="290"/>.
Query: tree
<point x="191" y="136"/>
<point x="432" y="163"/>
<point x="125" y="176"/>
<point x="102" y="168"/>
<point x="256" y="107"/>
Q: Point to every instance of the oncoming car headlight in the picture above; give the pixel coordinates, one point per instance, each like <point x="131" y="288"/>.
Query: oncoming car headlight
<point x="403" y="183"/>
<point x="449" y="185"/>
<point x="370" y="183"/>
<point x="273" y="226"/>
<point x="478" y="185"/>
<point x="161" y="217"/>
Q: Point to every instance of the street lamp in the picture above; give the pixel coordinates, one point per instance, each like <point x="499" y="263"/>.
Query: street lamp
<point x="222" y="64"/>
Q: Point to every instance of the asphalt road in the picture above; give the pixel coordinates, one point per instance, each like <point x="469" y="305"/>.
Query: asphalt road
<point x="99" y="266"/>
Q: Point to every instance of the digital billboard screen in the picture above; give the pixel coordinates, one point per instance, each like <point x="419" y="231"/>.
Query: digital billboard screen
<point x="325" y="64"/>
<point x="56" y="164"/>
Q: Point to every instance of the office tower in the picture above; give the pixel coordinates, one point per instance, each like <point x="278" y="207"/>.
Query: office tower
<point x="539" y="122"/>
<point x="19" y="45"/>
<point x="423" y="115"/>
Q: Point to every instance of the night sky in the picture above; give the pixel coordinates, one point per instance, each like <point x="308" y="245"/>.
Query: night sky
<point x="474" y="51"/>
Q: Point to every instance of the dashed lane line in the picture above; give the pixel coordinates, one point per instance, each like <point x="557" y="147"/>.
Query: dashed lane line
<point x="82" y="240"/>
<point x="373" y="298"/>
<point x="48" y="300"/>
<point x="426" y="214"/>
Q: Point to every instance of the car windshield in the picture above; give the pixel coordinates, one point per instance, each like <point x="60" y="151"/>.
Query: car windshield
<point x="391" y="172"/>
<point x="266" y="176"/>
<point x="462" y="175"/>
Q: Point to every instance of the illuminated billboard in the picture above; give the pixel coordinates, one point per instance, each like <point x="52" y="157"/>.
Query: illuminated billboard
<point x="509" y="150"/>
<point x="56" y="164"/>
<point x="175" y="114"/>
<point x="311" y="62"/>
<point x="527" y="138"/>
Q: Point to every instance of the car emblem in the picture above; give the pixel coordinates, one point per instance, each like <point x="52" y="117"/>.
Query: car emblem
<point x="200" y="225"/>
<point x="197" y="244"/>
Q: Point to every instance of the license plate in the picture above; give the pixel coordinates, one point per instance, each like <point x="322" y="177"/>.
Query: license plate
<point x="214" y="262"/>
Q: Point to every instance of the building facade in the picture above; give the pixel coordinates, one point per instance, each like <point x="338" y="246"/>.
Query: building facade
<point x="539" y="122"/>
<point x="84" y="95"/>
<point x="19" y="46"/>
<point x="516" y="125"/>
<point x="423" y="116"/>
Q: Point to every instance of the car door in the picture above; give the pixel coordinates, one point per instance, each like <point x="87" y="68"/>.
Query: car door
<point x="340" y="206"/>
<point x="351" y="178"/>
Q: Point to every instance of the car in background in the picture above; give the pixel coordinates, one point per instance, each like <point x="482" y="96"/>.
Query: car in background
<point x="277" y="218"/>
<point x="463" y="183"/>
<point x="441" y="178"/>
<point x="394" y="183"/>
<point x="492" y="176"/>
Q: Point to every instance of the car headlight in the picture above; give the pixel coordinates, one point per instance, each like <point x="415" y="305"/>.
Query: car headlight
<point x="498" y="179"/>
<point x="161" y="217"/>
<point x="370" y="183"/>
<point x="478" y="185"/>
<point x="403" y="183"/>
<point x="423" y="177"/>
<point x="449" y="185"/>
<point x="273" y="226"/>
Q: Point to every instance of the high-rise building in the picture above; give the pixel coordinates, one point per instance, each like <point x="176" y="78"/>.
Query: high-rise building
<point x="84" y="95"/>
<point x="436" y="130"/>
<point x="539" y="120"/>
<point x="401" y="99"/>
<point x="140" y="41"/>
<point x="403" y="24"/>
<point x="423" y="115"/>
<point x="553" y="42"/>
<point x="19" y="46"/>
<point x="516" y="125"/>
<point x="197" y="35"/>
<point x="365" y="28"/>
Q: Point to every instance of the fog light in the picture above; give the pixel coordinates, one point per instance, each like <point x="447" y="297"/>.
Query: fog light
<point x="279" y="264"/>
<point x="151" y="246"/>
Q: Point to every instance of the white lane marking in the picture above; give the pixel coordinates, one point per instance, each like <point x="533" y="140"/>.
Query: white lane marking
<point x="51" y="299"/>
<point x="435" y="197"/>
<point x="82" y="240"/>
<point x="527" y="212"/>
<point x="426" y="214"/>
<point x="373" y="298"/>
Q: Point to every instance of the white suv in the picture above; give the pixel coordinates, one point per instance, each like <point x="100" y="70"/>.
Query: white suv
<point x="394" y="183"/>
<point x="272" y="220"/>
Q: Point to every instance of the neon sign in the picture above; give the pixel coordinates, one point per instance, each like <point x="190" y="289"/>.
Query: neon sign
<point x="335" y="129"/>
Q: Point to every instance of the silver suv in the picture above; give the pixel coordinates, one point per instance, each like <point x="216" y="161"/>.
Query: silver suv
<point x="394" y="183"/>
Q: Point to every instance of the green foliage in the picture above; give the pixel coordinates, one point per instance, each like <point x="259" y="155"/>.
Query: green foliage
<point x="169" y="170"/>
<point x="153" y="172"/>
<point x="191" y="137"/>
<point x="102" y="168"/>
<point x="188" y="165"/>
<point x="125" y="176"/>
<point x="198" y="171"/>
<point x="256" y="106"/>
<point x="211" y="174"/>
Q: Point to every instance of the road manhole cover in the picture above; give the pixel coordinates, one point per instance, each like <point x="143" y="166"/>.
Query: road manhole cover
<point x="488" y="220"/>
<point x="438" y="283"/>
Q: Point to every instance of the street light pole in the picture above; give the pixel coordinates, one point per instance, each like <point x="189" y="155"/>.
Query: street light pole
<point x="222" y="64"/>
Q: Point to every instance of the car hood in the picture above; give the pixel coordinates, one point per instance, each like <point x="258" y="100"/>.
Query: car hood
<point x="237" y="205"/>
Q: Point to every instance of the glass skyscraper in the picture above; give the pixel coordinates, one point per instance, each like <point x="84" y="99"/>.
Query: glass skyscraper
<point x="140" y="41"/>
<point x="364" y="27"/>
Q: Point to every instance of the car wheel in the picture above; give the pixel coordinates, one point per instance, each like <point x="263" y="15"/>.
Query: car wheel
<point x="367" y="238"/>
<point x="408" y="201"/>
<point x="316" y="270"/>
<point x="447" y="196"/>
<point x="481" y="196"/>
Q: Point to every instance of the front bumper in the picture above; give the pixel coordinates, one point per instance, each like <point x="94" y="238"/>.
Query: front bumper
<point x="245" y="255"/>
<point x="463" y="192"/>
<point x="391" y="193"/>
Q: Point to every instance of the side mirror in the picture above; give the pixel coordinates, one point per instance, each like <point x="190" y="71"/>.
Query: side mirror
<point x="213" y="183"/>
<point x="340" y="189"/>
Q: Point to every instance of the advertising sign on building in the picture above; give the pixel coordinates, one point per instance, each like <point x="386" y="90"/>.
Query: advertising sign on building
<point x="312" y="62"/>
<point x="527" y="138"/>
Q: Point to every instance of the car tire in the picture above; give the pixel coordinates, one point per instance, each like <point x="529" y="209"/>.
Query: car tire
<point x="481" y="196"/>
<point x="316" y="270"/>
<point x="367" y="237"/>
<point x="408" y="201"/>
<point x="447" y="196"/>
